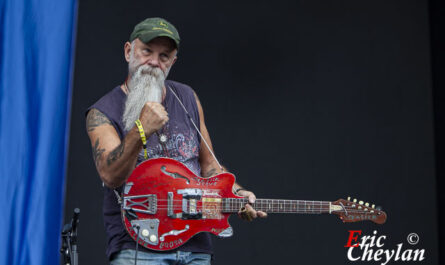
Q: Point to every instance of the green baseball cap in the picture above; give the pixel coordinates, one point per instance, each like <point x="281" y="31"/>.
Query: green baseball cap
<point x="155" y="27"/>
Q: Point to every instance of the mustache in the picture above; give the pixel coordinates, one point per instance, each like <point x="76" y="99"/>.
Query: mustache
<point x="153" y="71"/>
<point x="144" y="70"/>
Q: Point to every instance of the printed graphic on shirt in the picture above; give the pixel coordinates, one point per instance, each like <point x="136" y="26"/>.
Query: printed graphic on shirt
<point x="181" y="146"/>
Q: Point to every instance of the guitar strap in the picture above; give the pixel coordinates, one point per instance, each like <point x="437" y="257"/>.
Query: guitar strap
<point x="119" y="199"/>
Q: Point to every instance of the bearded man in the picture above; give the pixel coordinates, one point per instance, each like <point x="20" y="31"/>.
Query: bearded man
<point x="158" y="104"/>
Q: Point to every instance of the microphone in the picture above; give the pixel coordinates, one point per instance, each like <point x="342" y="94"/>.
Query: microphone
<point x="75" y="220"/>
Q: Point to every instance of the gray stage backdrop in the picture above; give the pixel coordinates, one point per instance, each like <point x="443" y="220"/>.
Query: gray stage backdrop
<point x="304" y="99"/>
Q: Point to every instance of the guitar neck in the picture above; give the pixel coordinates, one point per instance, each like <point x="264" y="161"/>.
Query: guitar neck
<point x="233" y="205"/>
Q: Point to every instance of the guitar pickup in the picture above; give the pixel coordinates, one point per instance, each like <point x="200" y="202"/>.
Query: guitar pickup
<point x="190" y="198"/>
<point x="170" y="204"/>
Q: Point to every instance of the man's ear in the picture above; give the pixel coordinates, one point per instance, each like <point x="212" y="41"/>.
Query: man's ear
<point x="127" y="51"/>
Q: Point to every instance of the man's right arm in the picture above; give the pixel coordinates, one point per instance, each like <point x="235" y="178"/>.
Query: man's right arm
<point x="114" y="159"/>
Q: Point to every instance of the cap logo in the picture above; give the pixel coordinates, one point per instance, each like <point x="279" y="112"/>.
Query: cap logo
<point x="163" y="24"/>
<point x="156" y="28"/>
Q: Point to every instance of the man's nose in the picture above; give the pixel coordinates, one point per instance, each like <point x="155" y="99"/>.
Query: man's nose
<point x="153" y="61"/>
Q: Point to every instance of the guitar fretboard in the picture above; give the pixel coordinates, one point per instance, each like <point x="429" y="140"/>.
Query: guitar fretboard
<point x="233" y="205"/>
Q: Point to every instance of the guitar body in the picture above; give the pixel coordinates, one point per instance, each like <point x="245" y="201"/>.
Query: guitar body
<point x="164" y="204"/>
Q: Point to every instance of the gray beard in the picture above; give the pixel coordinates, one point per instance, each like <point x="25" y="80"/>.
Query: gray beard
<point x="145" y="85"/>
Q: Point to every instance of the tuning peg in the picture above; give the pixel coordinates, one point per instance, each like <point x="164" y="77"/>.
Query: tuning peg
<point x="349" y="198"/>
<point x="355" y="200"/>
<point x="367" y="204"/>
<point x="373" y="206"/>
<point x="360" y="202"/>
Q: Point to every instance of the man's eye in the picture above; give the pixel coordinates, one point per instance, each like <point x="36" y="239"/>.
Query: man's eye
<point x="164" y="57"/>
<point x="146" y="50"/>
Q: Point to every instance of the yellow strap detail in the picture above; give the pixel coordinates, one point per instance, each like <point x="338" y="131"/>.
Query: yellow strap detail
<point x="143" y="138"/>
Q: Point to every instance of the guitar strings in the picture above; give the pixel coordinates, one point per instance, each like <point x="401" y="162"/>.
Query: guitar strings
<point x="227" y="210"/>
<point x="271" y="207"/>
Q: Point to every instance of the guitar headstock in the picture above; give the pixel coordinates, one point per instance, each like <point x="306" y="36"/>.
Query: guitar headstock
<point x="354" y="211"/>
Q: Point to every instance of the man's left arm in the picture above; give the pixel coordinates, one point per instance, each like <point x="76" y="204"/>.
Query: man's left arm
<point x="209" y="167"/>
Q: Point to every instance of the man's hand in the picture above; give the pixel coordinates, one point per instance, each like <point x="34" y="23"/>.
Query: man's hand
<point x="153" y="117"/>
<point x="247" y="212"/>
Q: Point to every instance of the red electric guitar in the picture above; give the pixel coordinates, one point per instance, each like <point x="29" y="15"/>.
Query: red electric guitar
<point x="164" y="204"/>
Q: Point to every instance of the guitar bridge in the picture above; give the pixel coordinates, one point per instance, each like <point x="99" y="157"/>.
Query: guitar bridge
<point x="141" y="203"/>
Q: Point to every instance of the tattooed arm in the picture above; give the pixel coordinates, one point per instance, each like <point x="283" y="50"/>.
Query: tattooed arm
<point x="114" y="159"/>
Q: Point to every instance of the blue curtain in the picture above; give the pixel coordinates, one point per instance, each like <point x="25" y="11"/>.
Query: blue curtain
<point x="37" y="40"/>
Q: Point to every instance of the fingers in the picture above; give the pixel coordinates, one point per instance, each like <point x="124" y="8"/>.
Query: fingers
<point x="261" y="214"/>
<point x="156" y="108"/>
<point x="248" y="194"/>
<point x="153" y="116"/>
<point x="252" y="198"/>
<point x="244" y="214"/>
<point x="250" y="211"/>
<point x="247" y="212"/>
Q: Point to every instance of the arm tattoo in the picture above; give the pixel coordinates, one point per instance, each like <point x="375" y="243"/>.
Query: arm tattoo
<point x="96" y="118"/>
<point x="210" y="173"/>
<point x="115" y="154"/>
<point x="97" y="153"/>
